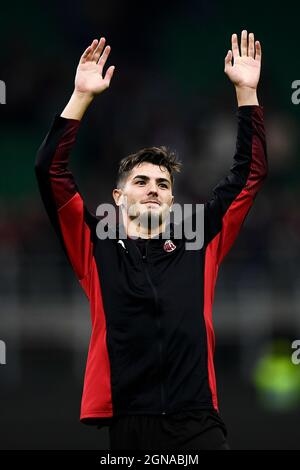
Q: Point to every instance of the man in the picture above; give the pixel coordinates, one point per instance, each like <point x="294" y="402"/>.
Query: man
<point x="150" y="373"/>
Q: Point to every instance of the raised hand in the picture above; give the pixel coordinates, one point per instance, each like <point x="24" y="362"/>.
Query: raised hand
<point x="245" y="70"/>
<point x="88" y="79"/>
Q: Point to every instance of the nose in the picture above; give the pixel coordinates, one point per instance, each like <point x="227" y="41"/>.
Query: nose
<point x="152" y="188"/>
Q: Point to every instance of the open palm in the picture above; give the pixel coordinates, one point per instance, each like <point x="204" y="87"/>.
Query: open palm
<point x="245" y="70"/>
<point x="88" y="77"/>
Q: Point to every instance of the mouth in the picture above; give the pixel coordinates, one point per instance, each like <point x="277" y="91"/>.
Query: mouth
<point x="152" y="202"/>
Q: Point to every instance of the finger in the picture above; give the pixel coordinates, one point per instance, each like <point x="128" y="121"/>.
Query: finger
<point x="109" y="74"/>
<point x="85" y="55"/>
<point x="258" y="52"/>
<point x="92" y="48"/>
<point x="87" y="52"/>
<point x="103" y="58"/>
<point x="244" y="42"/>
<point x="251" y="45"/>
<point x="235" y="46"/>
<point x="98" y="50"/>
<point x="227" y="60"/>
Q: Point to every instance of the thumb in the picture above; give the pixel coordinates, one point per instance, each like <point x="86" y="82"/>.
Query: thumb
<point x="227" y="60"/>
<point x="109" y="73"/>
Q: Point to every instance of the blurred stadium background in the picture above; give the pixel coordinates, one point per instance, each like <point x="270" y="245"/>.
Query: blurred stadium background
<point x="169" y="88"/>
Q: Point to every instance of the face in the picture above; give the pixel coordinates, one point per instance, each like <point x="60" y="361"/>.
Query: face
<point x="147" y="194"/>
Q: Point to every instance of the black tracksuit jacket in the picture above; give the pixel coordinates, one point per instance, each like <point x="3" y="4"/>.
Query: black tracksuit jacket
<point x="152" y="338"/>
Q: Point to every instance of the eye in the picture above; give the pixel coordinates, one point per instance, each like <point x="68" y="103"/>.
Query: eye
<point x="140" y="181"/>
<point x="163" y="185"/>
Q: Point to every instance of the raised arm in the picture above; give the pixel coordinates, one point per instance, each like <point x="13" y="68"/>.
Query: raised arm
<point x="234" y="195"/>
<point x="73" y="223"/>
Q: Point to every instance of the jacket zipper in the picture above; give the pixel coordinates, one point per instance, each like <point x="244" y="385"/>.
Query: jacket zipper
<point x="145" y="263"/>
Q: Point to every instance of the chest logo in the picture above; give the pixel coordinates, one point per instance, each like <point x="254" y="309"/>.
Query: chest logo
<point x="169" y="246"/>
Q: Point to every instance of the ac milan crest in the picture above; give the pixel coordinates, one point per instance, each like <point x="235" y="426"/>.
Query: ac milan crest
<point x="169" y="246"/>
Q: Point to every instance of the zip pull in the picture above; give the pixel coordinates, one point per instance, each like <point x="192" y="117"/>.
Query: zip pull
<point x="123" y="245"/>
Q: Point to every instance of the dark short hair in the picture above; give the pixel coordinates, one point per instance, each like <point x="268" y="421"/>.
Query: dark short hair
<point x="161" y="156"/>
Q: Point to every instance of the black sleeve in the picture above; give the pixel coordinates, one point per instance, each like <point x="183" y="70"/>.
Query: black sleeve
<point x="234" y="195"/>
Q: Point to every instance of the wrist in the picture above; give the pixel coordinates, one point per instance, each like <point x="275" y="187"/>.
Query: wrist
<point x="77" y="105"/>
<point x="246" y="96"/>
<point x="82" y="97"/>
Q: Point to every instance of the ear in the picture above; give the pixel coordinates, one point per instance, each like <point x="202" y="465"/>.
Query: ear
<point x="172" y="202"/>
<point x="118" y="196"/>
